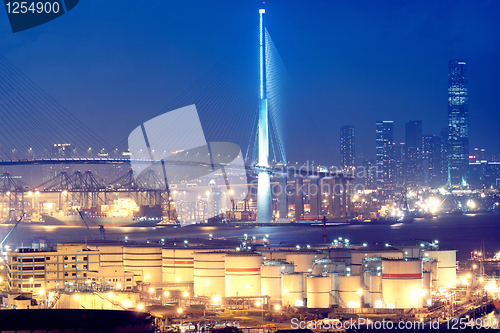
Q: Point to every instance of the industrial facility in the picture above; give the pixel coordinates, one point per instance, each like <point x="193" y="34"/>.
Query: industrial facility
<point x="241" y="273"/>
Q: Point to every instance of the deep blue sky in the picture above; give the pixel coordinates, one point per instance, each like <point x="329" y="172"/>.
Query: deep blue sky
<point x="115" y="64"/>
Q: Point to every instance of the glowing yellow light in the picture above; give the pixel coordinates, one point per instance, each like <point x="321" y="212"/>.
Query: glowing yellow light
<point x="277" y="307"/>
<point x="179" y="310"/>
<point x="41" y="292"/>
<point x="360" y="292"/>
<point x="178" y="279"/>
<point x="140" y="306"/>
<point x="258" y="303"/>
<point x="215" y="299"/>
<point x="285" y="291"/>
<point x="119" y="286"/>
<point x="185" y="294"/>
<point x="76" y="296"/>
<point x="151" y="290"/>
<point x="166" y="293"/>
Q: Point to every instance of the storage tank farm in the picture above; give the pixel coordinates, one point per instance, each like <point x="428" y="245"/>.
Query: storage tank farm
<point x="271" y="276"/>
<point x="402" y="282"/>
<point x="321" y="276"/>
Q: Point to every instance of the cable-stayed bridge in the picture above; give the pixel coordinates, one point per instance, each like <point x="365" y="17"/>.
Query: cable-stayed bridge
<point x="242" y="100"/>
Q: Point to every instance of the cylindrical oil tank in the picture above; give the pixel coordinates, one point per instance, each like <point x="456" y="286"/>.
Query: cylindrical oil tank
<point x="426" y="283"/>
<point x="366" y="283"/>
<point x="318" y="291"/>
<point x="303" y="260"/>
<point x="410" y="251"/>
<point x="177" y="264"/>
<point x="144" y="262"/>
<point x="402" y="283"/>
<point x="333" y="276"/>
<point x="431" y="265"/>
<point x="271" y="277"/>
<point x="349" y="287"/>
<point x="372" y="251"/>
<point x="292" y="289"/>
<point x="375" y="291"/>
<point x="274" y="255"/>
<point x="342" y="254"/>
<point x="242" y="272"/>
<point x="209" y="276"/>
<point x="447" y="270"/>
<point x="321" y="266"/>
<point x="110" y="255"/>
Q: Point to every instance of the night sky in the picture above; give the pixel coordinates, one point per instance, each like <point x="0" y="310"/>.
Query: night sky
<point x="116" y="64"/>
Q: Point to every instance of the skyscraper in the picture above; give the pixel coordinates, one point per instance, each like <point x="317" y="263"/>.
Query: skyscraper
<point x="413" y="142"/>
<point x="385" y="159"/>
<point x="458" y="123"/>
<point x="347" y="152"/>
<point x="431" y="156"/>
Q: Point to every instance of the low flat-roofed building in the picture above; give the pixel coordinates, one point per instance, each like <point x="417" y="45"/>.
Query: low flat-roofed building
<point x="30" y="270"/>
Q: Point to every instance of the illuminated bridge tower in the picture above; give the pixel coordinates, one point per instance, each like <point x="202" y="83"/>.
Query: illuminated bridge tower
<point x="264" y="204"/>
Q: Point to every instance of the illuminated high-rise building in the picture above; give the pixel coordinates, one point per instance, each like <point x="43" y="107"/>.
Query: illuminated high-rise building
<point x="413" y="143"/>
<point x="385" y="153"/>
<point x="458" y="123"/>
<point x="431" y="156"/>
<point x="347" y="150"/>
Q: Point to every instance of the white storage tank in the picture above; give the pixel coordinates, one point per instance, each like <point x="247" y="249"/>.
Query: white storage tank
<point x="375" y="291"/>
<point x="178" y="264"/>
<point x="144" y="262"/>
<point x="426" y="284"/>
<point x="447" y="267"/>
<point x="318" y="291"/>
<point x="274" y="255"/>
<point x="271" y="277"/>
<point x="365" y="284"/>
<point x="333" y="276"/>
<point x="110" y="255"/>
<point x="209" y="275"/>
<point x="242" y="272"/>
<point x="431" y="265"/>
<point x="324" y="265"/>
<point x="372" y="251"/>
<point x="303" y="260"/>
<point x="341" y="254"/>
<point x="349" y="287"/>
<point x="402" y="283"/>
<point x="292" y="289"/>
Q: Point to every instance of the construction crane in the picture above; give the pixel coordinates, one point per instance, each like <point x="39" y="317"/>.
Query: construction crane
<point x="81" y="216"/>
<point x="11" y="230"/>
